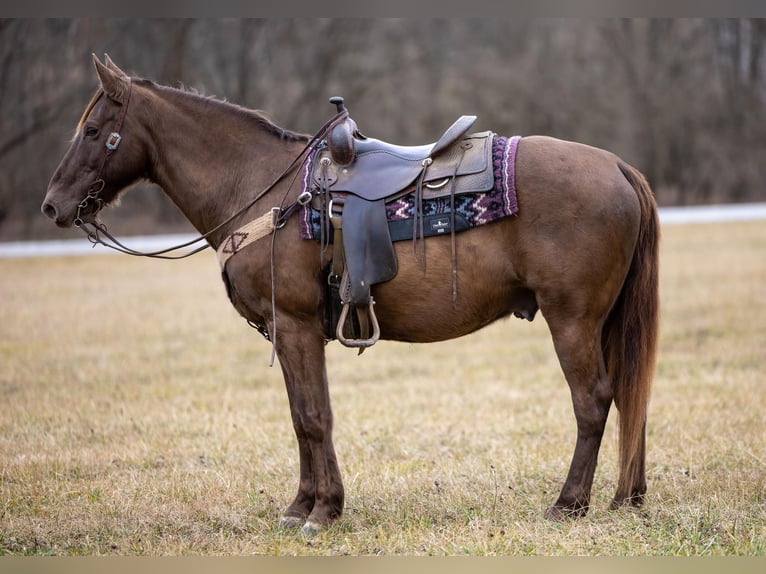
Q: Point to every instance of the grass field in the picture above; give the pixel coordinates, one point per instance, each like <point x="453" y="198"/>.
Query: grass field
<point x="138" y="415"/>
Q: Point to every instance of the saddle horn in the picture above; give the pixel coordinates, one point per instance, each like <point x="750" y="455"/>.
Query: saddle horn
<point x="340" y="140"/>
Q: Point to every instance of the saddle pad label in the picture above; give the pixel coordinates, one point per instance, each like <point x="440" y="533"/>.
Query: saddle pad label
<point x="439" y="224"/>
<point x="472" y="209"/>
<point x="404" y="229"/>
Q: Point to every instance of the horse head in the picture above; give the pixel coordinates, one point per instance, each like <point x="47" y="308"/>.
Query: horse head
<point x="105" y="155"/>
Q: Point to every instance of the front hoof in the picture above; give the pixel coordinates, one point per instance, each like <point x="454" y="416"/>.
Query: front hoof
<point x="562" y="513"/>
<point x="290" y="522"/>
<point x="310" y="529"/>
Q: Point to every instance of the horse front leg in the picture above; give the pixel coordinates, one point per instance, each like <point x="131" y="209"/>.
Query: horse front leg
<point x="320" y="490"/>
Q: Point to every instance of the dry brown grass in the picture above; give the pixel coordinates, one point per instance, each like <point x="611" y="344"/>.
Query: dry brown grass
<point x="139" y="416"/>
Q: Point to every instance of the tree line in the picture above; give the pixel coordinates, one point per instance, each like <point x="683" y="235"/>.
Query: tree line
<point x="681" y="99"/>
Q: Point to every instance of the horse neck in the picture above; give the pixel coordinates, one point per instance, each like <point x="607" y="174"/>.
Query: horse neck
<point x="211" y="157"/>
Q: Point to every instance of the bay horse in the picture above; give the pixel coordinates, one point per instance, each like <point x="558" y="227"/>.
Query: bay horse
<point x="583" y="250"/>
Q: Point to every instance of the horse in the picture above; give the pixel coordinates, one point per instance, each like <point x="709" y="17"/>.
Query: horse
<point x="582" y="250"/>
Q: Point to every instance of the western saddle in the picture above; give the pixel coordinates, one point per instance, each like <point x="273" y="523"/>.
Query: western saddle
<point x="354" y="177"/>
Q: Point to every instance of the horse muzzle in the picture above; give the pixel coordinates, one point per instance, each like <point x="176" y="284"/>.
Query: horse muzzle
<point x="57" y="212"/>
<point x="51" y="211"/>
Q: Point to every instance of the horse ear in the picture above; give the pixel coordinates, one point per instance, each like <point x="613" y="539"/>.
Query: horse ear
<point x="114" y="84"/>
<point x="112" y="66"/>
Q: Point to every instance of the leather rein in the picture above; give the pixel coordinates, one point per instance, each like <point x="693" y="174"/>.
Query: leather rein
<point x="95" y="229"/>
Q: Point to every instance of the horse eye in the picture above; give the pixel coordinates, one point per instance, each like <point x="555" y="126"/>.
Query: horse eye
<point x="90" y="132"/>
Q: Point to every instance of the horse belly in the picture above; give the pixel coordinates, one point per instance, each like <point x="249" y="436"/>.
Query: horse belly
<point x="417" y="305"/>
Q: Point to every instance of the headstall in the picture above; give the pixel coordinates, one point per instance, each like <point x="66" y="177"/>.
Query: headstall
<point x="112" y="142"/>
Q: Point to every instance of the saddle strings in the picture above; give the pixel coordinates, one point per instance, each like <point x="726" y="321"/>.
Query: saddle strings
<point x="418" y="234"/>
<point x="417" y="222"/>
<point x="453" y="242"/>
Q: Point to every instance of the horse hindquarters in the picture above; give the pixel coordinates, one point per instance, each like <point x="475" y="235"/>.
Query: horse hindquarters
<point x="609" y="356"/>
<point x="587" y="232"/>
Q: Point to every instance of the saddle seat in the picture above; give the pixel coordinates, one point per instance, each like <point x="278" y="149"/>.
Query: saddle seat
<point x="407" y="153"/>
<point x="355" y="176"/>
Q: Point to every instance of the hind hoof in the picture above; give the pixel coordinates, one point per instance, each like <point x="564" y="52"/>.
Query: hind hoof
<point x="290" y="522"/>
<point x="635" y="501"/>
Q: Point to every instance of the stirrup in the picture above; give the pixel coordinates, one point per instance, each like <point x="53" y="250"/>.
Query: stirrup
<point x="358" y="343"/>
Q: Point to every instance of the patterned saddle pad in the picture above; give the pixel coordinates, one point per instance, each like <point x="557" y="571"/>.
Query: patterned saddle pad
<point x="471" y="209"/>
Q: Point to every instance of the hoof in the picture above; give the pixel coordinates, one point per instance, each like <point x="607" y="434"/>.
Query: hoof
<point x="556" y="514"/>
<point x="310" y="529"/>
<point x="290" y="522"/>
<point x="562" y="513"/>
<point x="635" y="501"/>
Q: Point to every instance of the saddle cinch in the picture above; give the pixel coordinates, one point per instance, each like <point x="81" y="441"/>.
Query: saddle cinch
<point x="355" y="176"/>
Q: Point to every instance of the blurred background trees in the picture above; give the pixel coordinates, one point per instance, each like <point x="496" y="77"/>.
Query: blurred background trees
<point x="683" y="100"/>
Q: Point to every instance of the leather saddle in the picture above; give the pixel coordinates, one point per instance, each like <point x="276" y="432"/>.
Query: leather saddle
<point x="355" y="176"/>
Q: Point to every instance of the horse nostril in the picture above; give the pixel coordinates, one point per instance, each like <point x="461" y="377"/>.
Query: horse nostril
<point x="49" y="211"/>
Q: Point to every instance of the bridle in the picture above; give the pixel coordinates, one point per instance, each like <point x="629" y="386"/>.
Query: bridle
<point x="95" y="229"/>
<point x="112" y="142"/>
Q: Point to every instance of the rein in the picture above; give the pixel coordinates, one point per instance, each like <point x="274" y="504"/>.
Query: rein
<point x="97" y="228"/>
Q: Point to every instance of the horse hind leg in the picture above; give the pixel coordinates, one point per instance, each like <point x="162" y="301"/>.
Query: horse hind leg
<point x="577" y="345"/>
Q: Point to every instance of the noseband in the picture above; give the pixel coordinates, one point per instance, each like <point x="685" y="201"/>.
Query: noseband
<point x="98" y="184"/>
